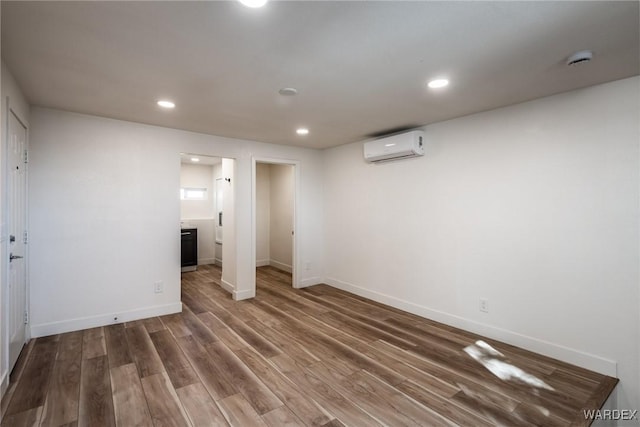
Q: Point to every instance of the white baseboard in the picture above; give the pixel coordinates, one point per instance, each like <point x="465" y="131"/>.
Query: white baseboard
<point x="241" y="295"/>
<point x="227" y="286"/>
<point x="556" y="351"/>
<point x="206" y="261"/>
<point x="262" y="263"/>
<point x="4" y="384"/>
<point x="218" y="262"/>
<point x="280" y="265"/>
<point x="63" y="326"/>
<point x="235" y="294"/>
<point x="309" y="281"/>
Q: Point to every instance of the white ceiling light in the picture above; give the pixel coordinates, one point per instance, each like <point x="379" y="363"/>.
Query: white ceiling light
<point x="195" y="159"/>
<point x="438" y="83"/>
<point x="253" y="3"/>
<point x="302" y="131"/>
<point x="166" y="104"/>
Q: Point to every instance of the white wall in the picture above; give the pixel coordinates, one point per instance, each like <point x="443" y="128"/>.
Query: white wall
<point x="197" y="176"/>
<point x="217" y="229"/>
<point x="534" y="207"/>
<point x="11" y="96"/>
<point x="281" y="215"/>
<point x="104" y="215"/>
<point x="229" y="236"/>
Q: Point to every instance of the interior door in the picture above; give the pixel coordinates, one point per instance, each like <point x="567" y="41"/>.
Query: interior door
<point x="16" y="224"/>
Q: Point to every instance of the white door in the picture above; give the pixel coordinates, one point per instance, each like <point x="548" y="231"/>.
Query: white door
<point x="16" y="224"/>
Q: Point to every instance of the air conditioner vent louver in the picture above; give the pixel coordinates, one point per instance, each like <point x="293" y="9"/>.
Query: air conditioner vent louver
<point x="395" y="147"/>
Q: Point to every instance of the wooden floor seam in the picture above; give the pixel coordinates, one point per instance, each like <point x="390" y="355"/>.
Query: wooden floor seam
<point x="318" y="356"/>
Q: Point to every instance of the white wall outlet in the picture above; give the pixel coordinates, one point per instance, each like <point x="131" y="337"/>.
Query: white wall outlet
<point x="158" y="287"/>
<point x="484" y="305"/>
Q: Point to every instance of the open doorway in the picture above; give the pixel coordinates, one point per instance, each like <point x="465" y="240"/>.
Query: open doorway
<point x="198" y="211"/>
<point x="274" y="216"/>
<point x="207" y="216"/>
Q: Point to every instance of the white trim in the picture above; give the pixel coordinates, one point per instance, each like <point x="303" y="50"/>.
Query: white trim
<point x="556" y="351"/>
<point x="63" y="326"/>
<point x="227" y="286"/>
<point x="280" y="265"/>
<point x="4" y="384"/>
<point x="262" y="262"/>
<point x="242" y="295"/>
<point x="205" y="261"/>
<point x="218" y="262"/>
<point x="310" y="281"/>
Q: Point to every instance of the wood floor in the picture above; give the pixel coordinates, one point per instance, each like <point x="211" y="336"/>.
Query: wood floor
<point x="314" y="357"/>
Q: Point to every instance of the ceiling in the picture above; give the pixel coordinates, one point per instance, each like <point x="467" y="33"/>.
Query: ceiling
<point x="360" y="68"/>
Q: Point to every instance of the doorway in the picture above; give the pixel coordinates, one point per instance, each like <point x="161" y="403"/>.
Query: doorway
<point x="200" y="210"/>
<point x="16" y="214"/>
<point x="208" y="211"/>
<point x="213" y="185"/>
<point x="275" y="215"/>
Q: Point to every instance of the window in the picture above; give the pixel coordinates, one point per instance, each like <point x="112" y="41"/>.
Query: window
<point x="193" y="193"/>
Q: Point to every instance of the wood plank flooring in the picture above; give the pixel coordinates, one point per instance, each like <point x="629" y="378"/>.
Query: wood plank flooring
<point x="312" y="357"/>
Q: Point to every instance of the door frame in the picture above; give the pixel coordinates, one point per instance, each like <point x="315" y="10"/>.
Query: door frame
<point x="295" y="283"/>
<point x="4" y="243"/>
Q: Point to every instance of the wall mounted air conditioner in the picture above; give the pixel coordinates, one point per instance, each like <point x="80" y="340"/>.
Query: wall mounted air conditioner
<point x="394" y="147"/>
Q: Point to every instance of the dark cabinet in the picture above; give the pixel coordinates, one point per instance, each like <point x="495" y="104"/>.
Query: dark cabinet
<point x="189" y="247"/>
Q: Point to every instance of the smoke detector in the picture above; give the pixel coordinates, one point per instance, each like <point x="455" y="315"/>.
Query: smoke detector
<point x="581" y="57"/>
<point x="288" y="91"/>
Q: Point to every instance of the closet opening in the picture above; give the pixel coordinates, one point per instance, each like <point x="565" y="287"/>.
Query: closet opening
<point x="274" y="219"/>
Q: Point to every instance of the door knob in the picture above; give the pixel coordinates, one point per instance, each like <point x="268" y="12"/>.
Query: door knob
<point x="12" y="257"/>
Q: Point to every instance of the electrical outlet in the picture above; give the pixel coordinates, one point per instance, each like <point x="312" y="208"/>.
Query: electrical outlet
<point x="158" y="287"/>
<point x="484" y="305"/>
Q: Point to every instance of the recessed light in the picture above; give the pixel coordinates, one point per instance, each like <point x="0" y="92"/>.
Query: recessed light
<point x="438" y="83"/>
<point x="288" y="91"/>
<point x="302" y="131"/>
<point x="195" y="159"/>
<point x="253" y="3"/>
<point x="166" y="104"/>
